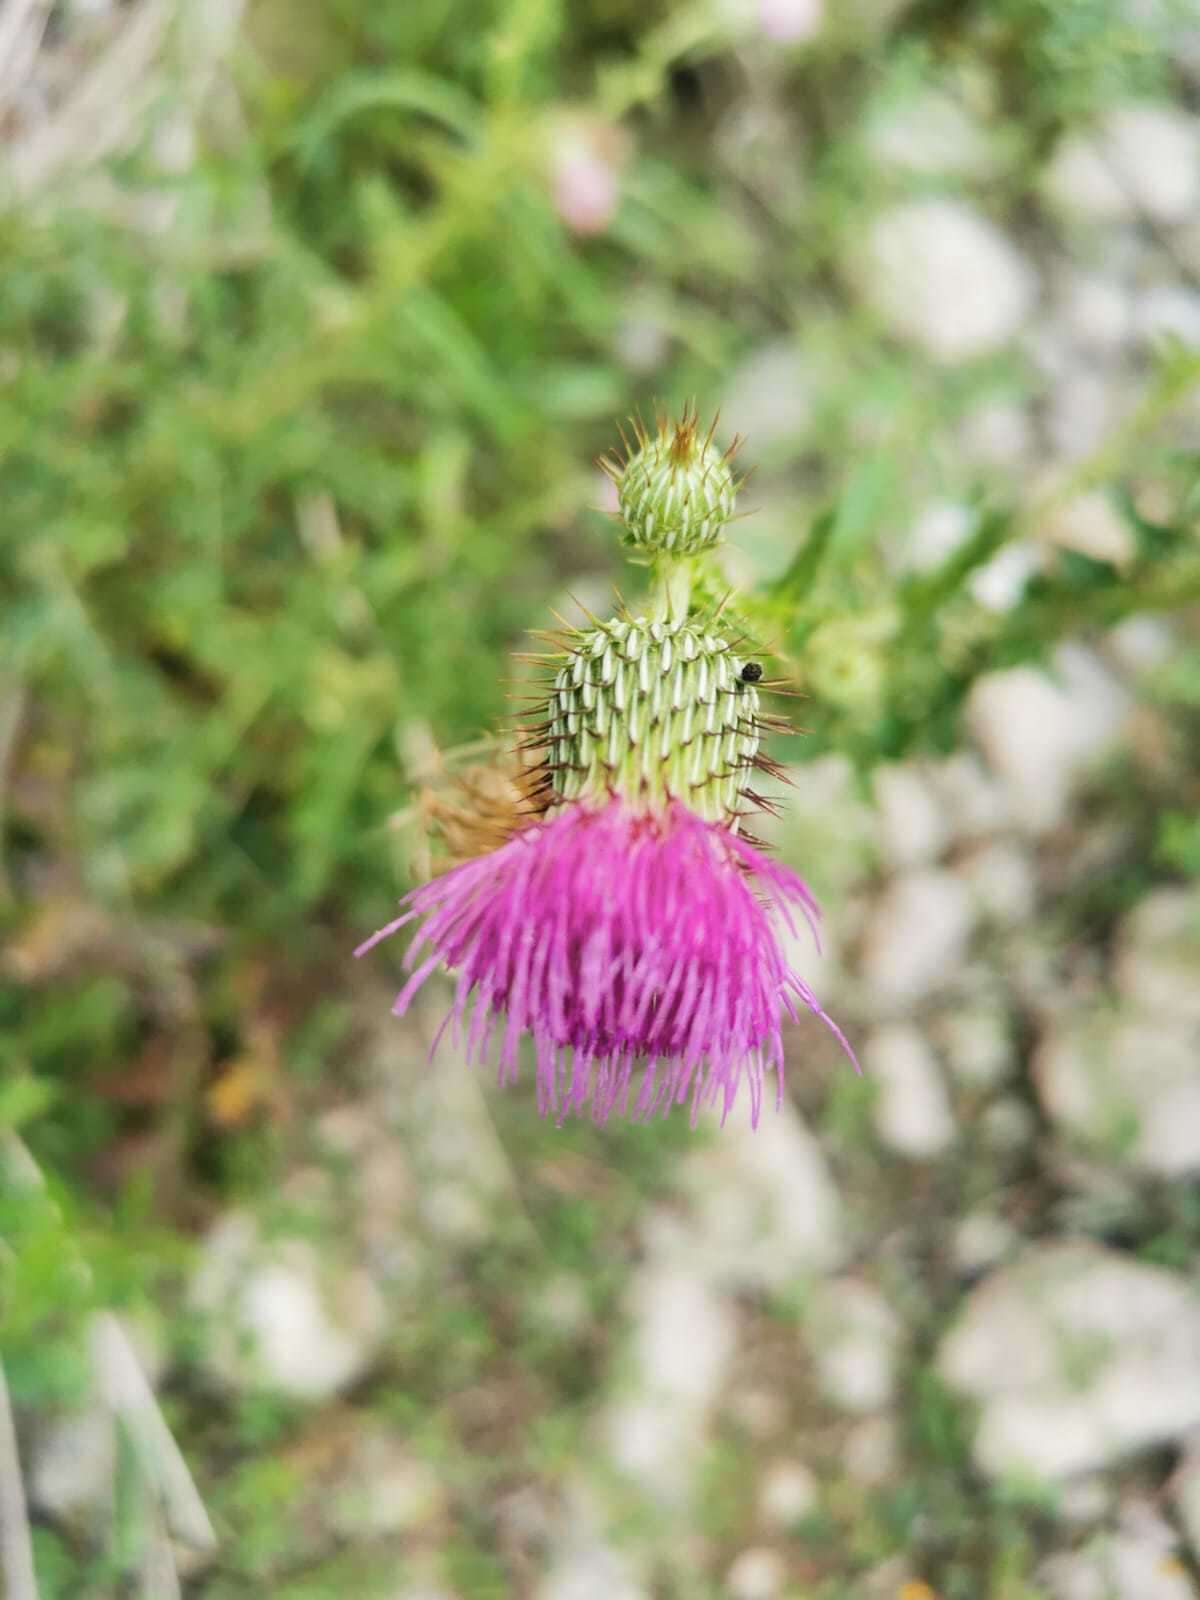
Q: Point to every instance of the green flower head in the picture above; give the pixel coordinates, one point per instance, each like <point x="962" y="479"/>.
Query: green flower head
<point x="676" y="488"/>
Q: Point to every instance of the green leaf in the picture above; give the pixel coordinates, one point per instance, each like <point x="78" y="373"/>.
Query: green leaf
<point x="800" y="577"/>
<point x="922" y="594"/>
<point x="861" y="509"/>
<point x="410" y="91"/>
<point x="23" y="1098"/>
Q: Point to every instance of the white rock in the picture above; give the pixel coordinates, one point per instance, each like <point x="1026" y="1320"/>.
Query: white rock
<point x="765" y="1206"/>
<point x="999" y="584"/>
<point x="855" y="1339"/>
<point x="1140" y="1517"/>
<point x="912" y="823"/>
<point x="937" y="533"/>
<point x="1116" y="1568"/>
<point x="461" y="1171"/>
<point x="682" y="1339"/>
<point x="280" y="1318"/>
<point x="973" y="801"/>
<point x="981" y="1240"/>
<point x="976" y="1040"/>
<point x="943" y="277"/>
<point x="383" y="1490"/>
<point x="931" y="133"/>
<point x="1084" y="407"/>
<point x="370" y="1165"/>
<point x="642" y="341"/>
<point x="1138" y="644"/>
<point x="756" y="1574"/>
<point x="527" y="1516"/>
<point x="871" y="1450"/>
<point x="1039" y="733"/>
<point x="996" y="433"/>
<point x="917" y="936"/>
<point x="1096" y="310"/>
<point x="1158" y="955"/>
<point x="1126" y="1088"/>
<point x="1050" y="352"/>
<point x="1167" y="309"/>
<point x="590" y="1571"/>
<point x="911" y="1112"/>
<point x="1142" y="160"/>
<point x="1077" y="1356"/>
<point x="72" y="1467"/>
<point x="1185" y="243"/>
<point x="1084" y="1500"/>
<point x="1185" y="1495"/>
<point x="683" y="1335"/>
<point x="1092" y="525"/>
<point x="1002" y="880"/>
<point x="788" y="1493"/>
<point x="1007" y="1125"/>
<point x="769" y="400"/>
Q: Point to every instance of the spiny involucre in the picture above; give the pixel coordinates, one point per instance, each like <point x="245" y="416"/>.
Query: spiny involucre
<point x="656" y="709"/>
<point x="623" y="919"/>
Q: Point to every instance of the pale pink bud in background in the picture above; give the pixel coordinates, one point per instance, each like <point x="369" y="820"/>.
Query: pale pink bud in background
<point x="790" y="21"/>
<point x="585" y="178"/>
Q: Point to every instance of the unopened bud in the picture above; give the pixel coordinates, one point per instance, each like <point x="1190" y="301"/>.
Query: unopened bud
<point x="677" y="489"/>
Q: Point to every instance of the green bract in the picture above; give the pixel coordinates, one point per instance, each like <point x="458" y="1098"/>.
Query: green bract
<point x="654" y="710"/>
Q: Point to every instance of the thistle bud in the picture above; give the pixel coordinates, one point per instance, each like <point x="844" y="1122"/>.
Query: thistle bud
<point x="655" y="710"/>
<point x="676" y="489"/>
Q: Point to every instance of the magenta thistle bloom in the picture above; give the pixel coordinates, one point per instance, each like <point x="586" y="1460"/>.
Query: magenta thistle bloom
<point x="638" y="952"/>
<point x="623" y="921"/>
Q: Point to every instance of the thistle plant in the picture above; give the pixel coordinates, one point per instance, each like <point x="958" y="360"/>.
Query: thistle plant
<point x="628" y="923"/>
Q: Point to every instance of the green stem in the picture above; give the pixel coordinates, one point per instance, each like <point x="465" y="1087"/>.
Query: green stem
<point x="672" y="590"/>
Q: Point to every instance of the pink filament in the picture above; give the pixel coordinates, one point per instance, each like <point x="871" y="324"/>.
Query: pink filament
<point x="622" y="943"/>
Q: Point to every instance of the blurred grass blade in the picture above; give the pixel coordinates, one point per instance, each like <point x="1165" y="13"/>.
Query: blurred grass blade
<point x="105" y="111"/>
<point x="159" y="1572"/>
<point x="800" y="576"/>
<point x="409" y="91"/>
<point x="23" y="1098"/>
<point x="16" y="1545"/>
<point x="126" y="1390"/>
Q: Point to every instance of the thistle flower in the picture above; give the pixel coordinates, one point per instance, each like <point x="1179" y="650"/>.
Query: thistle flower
<point x="628" y="924"/>
<point x="633" y="946"/>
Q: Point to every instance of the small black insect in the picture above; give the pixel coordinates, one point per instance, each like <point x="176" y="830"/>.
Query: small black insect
<point x="751" y="672"/>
